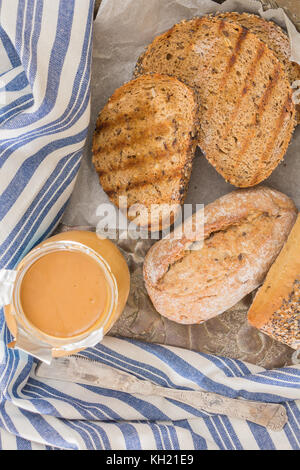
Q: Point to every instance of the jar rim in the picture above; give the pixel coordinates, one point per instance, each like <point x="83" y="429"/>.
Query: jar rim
<point x="51" y="247"/>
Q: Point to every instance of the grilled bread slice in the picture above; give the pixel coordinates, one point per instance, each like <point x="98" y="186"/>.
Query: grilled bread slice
<point x="246" y="112"/>
<point x="144" y="145"/>
<point x="274" y="37"/>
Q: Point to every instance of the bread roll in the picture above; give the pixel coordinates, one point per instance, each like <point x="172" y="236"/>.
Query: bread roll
<point x="243" y="233"/>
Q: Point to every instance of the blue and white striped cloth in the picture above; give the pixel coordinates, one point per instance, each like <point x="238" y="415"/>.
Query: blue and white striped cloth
<point x="45" y="55"/>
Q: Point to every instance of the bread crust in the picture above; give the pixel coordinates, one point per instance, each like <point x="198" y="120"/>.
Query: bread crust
<point x="144" y="144"/>
<point x="276" y="306"/>
<point x="243" y="233"/>
<point x="246" y="112"/>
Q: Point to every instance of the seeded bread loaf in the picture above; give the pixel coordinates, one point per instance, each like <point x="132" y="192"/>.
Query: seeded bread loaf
<point x="144" y="145"/>
<point x="275" y="38"/>
<point x="243" y="233"/>
<point x="276" y="306"/>
<point x="246" y="112"/>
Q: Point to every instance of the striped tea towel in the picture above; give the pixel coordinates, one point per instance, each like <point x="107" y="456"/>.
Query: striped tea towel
<point x="45" y="52"/>
<point x="36" y="413"/>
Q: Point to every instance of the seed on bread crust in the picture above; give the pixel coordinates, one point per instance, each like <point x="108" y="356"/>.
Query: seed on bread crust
<point x="276" y="306"/>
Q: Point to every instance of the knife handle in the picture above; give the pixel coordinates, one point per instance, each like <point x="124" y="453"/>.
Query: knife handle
<point x="270" y="415"/>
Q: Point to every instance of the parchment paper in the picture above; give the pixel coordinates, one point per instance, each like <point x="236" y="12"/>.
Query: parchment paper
<point x="122" y="30"/>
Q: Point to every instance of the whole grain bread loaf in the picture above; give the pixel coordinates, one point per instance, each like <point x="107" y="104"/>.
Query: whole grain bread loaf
<point x="144" y="144"/>
<point x="246" y="112"/>
<point x="275" y="38"/>
<point x="243" y="233"/>
<point x="276" y="306"/>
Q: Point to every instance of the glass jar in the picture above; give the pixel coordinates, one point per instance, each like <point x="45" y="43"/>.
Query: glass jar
<point x="112" y="264"/>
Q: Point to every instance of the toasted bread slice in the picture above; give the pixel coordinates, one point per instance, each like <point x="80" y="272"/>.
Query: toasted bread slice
<point x="276" y="306"/>
<point x="246" y="112"/>
<point x="275" y="38"/>
<point x="144" y="145"/>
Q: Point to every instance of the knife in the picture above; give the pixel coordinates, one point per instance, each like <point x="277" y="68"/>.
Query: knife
<point x="81" y="370"/>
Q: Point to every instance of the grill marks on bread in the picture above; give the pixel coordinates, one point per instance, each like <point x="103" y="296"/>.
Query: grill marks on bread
<point x="226" y="75"/>
<point x="244" y="94"/>
<point x="273" y="36"/>
<point x="281" y="127"/>
<point x="240" y="147"/>
<point x="144" y="141"/>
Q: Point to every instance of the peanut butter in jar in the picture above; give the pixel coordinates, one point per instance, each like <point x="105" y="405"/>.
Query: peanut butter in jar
<point x="68" y="293"/>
